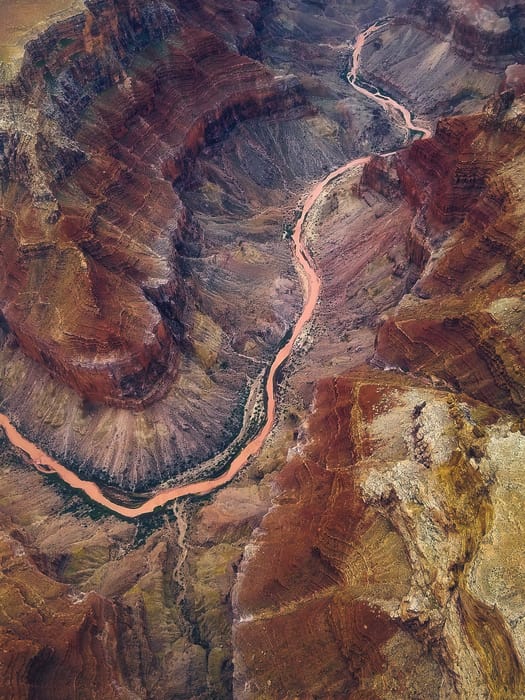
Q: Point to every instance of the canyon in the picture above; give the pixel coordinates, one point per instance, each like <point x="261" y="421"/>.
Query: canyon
<point x="154" y="160"/>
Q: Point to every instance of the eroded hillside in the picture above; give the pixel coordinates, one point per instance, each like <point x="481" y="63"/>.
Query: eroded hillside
<point x="374" y="548"/>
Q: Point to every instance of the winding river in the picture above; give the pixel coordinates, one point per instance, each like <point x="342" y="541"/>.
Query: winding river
<point x="47" y="465"/>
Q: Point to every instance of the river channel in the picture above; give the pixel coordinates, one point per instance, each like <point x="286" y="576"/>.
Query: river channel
<point x="312" y="285"/>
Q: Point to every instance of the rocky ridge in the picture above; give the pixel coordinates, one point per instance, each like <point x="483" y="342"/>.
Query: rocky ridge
<point x="374" y="548"/>
<point x="482" y="31"/>
<point x="396" y="501"/>
<point x="95" y="176"/>
<point x="473" y="216"/>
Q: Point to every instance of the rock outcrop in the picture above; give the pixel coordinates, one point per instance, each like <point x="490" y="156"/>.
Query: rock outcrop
<point x="374" y="548"/>
<point x="482" y="31"/>
<point x="91" y="224"/>
<point x="465" y="187"/>
<point x="385" y="510"/>
<point x="89" y="602"/>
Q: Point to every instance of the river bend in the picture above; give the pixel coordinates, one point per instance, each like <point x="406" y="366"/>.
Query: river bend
<point x="47" y="465"/>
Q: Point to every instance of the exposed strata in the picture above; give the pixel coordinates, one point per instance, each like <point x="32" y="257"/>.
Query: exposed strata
<point x="102" y="217"/>
<point x="443" y="58"/>
<point x="384" y="509"/>
<point x="161" y="224"/>
<point x="390" y="558"/>
<point x="468" y="228"/>
<point x="88" y="602"/>
<point x="425" y="70"/>
<point x="483" y="31"/>
<point x="22" y="21"/>
<point x="395" y="532"/>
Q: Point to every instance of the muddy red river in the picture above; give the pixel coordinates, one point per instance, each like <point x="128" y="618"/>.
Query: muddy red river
<point x="312" y="285"/>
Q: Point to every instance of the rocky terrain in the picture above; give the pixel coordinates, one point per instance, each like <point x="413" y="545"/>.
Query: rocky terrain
<point x="90" y="170"/>
<point x="374" y="548"/>
<point x="393" y="547"/>
<point x="118" y="175"/>
<point x="165" y="216"/>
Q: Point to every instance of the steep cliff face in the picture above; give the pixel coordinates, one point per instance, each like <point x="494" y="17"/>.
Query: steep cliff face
<point x="89" y="174"/>
<point x="393" y="533"/>
<point x="101" y="286"/>
<point x="386" y="510"/>
<point x="465" y="186"/>
<point x="484" y="31"/>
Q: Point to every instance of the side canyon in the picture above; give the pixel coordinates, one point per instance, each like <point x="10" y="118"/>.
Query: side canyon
<point x="154" y="158"/>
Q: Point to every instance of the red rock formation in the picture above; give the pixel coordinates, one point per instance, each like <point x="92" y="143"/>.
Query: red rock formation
<point x="90" y="285"/>
<point x="88" y="600"/>
<point x="346" y="563"/>
<point x="356" y="583"/>
<point x="52" y="643"/>
<point x="468" y="209"/>
<point x="484" y="31"/>
<point x="298" y="585"/>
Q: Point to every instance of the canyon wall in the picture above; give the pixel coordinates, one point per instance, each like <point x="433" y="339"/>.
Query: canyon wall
<point x="482" y="31"/>
<point x="393" y="547"/>
<point x="465" y="185"/>
<point x="90" y="174"/>
<point x="374" y="548"/>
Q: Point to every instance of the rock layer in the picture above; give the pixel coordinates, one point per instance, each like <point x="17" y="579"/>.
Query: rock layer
<point x="383" y="510"/>
<point x="467" y="237"/>
<point x="384" y="558"/>
<point x="481" y="30"/>
<point x="98" y="214"/>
